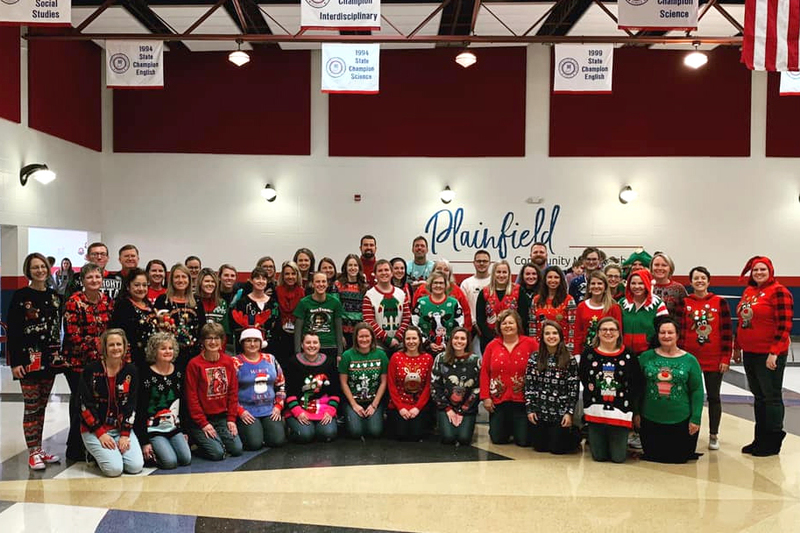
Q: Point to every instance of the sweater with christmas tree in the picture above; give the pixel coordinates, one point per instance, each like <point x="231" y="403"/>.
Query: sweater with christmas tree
<point x="455" y="386"/>
<point x="587" y="316"/>
<point x="409" y="380"/>
<point x="673" y="388"/>
<point x="611" y="386"/>
<point x="312" y="387"/>
<point x="159" y="397"/>
<point x="503" y="371"/>
<point x="706" y="330"/>
<point x="437" y="319"/>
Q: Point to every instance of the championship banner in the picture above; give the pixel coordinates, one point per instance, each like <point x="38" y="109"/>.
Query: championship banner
<point x="36" y="12"/>
<point x="771" y="39"/>
<point x="339" y="14"/>
<point x="790" y="84"/>
<point x="134" y="64"/>
<point x="351" y="68"/>
<point x="583" y="68"/>
<point x="657" y="14"/>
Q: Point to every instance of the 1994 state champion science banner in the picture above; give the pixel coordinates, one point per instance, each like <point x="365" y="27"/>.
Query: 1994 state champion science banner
<point x="583" y="68"/>
<point x="134" y="64"/>
<point x="36" y="12"/>
<point x="339" y="14"/>
<point x="351" y="68"/>
<point x="657" y="14"/>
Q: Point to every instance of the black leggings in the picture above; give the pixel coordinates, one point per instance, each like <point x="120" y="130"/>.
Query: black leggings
<point x="713" y="381"/>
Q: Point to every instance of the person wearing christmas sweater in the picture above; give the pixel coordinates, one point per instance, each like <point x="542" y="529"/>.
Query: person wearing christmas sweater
<point x="400" y="276"/>
<point x="312" y="394"/>
<point x="288" y="294"/>
<point x="455" y="388"/>
<point x="502" y="381"/>
<point x="671" y="292"/>
<point x="320" y="313"/>
<point x="672" y="398"/>
<point x="707" y="334"/>
<point x="452" y="289"/>
<point x="551" y="392"/>
<point x="181" y="314"/>
<point x="156" y="271"/>
<point x="256" y="309"/>
<point x="369" y="250"/>
<point x="598" y="305"/>
<point x="352" y="286"/>
<point x="613" y="273"/>
<point x="409" y="383"/>
<point x="386" y="309"/>
<point x="211" y="392"/>
<point x="640" y="307"/>
<point x="262" y="391"/>
<point x="610" y="375"/>
<point x="134" y="314"/>
<point x="214" y="306"/>
<point x="554" y="303"/>
<point x="500" y="294"/>
<point x="765" y="314"/>
<point x="107" y="393"/>
<point x="436" y="314"/>
<point x="530" y="281"/>
<point x="32" y="352"/>
<point x="158" y="423"/>
<point x="362" y="376"/>
<point x="592" y="259"/>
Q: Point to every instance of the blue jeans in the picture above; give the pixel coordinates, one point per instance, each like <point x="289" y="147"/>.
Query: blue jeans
<point x="264" y="431"/>
<point x="214" y="449"/>
<point x="451" y="434"/>
<point x="303" y="434"/>
<point x="171" y="451"/>
<point x="111" y="462"/>
<point x="358" y="427"/>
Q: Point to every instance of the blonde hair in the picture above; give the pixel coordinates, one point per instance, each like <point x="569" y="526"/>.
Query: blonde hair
<point x="493" y="282"/>
<point x="180" y="267"/>
<point x="104" y="339"/>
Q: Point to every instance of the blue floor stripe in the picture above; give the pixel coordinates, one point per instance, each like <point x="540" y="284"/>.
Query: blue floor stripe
<point x="203" y="466"/>
<point x="117" y="521"/>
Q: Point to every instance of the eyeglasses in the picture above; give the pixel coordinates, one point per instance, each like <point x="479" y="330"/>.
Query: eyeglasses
<point x="481" y="261"/>
<point x="608" y="330"/>
<point x="98" y="254"/>
<point x="213" y="338"/>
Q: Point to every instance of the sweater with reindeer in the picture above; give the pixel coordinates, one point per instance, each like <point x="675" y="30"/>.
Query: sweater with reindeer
<point x="456" y="386"/>
<point x="503" y="371"/>
<point x="409" y="380"/>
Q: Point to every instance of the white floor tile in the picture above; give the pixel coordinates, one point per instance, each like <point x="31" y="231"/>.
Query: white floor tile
<point x="39" y="517"/>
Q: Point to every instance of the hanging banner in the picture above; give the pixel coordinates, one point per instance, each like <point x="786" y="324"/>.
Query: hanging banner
<point x="351" y="68"/>
<point x="339" y="14"/>
<point x="790" y="84"/>
<point x="657" y="14"/>
<point x="36" y="12"/>
<point x="583" y="68"/>
<point x="134" y="64"/>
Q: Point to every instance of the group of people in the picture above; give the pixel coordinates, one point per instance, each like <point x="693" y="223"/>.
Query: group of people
<point x="157" y="361"/>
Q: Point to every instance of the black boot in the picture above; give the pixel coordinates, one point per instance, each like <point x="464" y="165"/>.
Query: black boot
<point x="769" y="445"/>
<point x="752" y="446"/>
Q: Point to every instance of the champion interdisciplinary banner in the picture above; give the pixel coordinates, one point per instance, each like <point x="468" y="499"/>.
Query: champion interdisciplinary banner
<point x="134" y="64"/>
<point x="657" y="14"/>
<point x="790" y="84"/>
<point x="339" y="14"/>
<point x="36" y="12"/>
<point x="583" y="68"/>
<point x="351" y="68"/>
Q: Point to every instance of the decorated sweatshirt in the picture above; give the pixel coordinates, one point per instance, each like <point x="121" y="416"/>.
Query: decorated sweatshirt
<point x="262" y="385"/>
<point x="322" y="318"/>
<point x="564" y="314"/>
<point x="84" y="322"/>
<point x="139" y="322"/>
<point x="672" y="294"/>
<point x="364" y="373"/>
<point x="503" y="372"/>
<point x="454" y="291"/>
<point x="215" y="311"/>
<point x="765" y="315"/>
<point x="158" y="412"/>
<point x="489" y="305"/>
<point x="409" y="381"/>
<point x="417" y="273"/>
<point x="312" y="388"/>
<point x="706" y="330"/>
<point x="437" y="319"/>
<point x="387" y="313"/>
<point x="587" y="317"/>
<point x="107" y="402"/>
<point x="551" y="393"/>
<point x="288" y="298"/>
<point x="34" y="331"/>
<point x="456" y="386"/>
<point x="611" y="386"/>
<point x="247" y="313"/>
<point x="352" y="298"/>
<point x="184" y="322"/>
<point x="638" y="322"/>
<point x="673" y="388"/>
<point x="211" y="389"/>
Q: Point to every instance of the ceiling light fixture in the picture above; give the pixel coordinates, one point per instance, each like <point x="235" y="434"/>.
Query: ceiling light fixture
<point x="466" y="59"/>
<point x="37" y="171"/>
<point x="239" y="57"/>
<point x="627" y="194"/>
<point x="268" y="193"/>
<point x="447" y="195"/>
<point x="695" y="59"/>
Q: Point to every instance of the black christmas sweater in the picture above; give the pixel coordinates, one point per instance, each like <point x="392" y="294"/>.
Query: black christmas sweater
<point x="107" y="402"/>
<point x="184" y="322"/>
<point x="34" y="330"/>
<point x="456" y="386"/>
<point x="247" y="313"/>
<point x="611" y="386"/>
<point x="139" y="324"/>
<point x="158" y="410"/>
<point x="311" y="388"/>
<point x="552" y="392"/>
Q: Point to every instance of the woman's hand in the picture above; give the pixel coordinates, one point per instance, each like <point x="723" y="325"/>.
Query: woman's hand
<point x="637" y="421"/>
<point x="107" y="442"/>
<point x="148" y="453"/>
<point x="247" y="418"/>
<point x="209" y="431"/>
<point x="772" y="361"/>
<point x="413" y="413"/>
<point x="303" y="419"/>
<point x="232" y="429"/>
<point x="276" y="414"/>
<point x="359" y="410"/>
<point x="737" y="356"/>
<point x="532" y="418"/>
<point x="18" y="372"/>
<point x="566" y="421"/>
<point x="369" y="411"/>
<point x="395" y="343"/>
<point x="488" y="404"/>
<point x="326" y="419"/>
<point x="124" y="444"/>
<point x="693" y="428"/>
<point x="404" y="414"/>
<point x="724" y="367"/>
<point x="455" y="418"/>
<point x="436" y="348"/>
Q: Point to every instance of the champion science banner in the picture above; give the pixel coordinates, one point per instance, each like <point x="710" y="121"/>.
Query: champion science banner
<point x="351" y="68"/>
<point x="36" y="12"/>
<point x="790" y="84"/>
<point x="339" y="14"/>
<point x="134" y="64"/>
<point x="582" y="68"/>
<point x="657" y="14"/>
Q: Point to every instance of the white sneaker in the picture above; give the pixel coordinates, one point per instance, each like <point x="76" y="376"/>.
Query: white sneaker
<point x="634" y="441"/>
<point x="713" y="442"/>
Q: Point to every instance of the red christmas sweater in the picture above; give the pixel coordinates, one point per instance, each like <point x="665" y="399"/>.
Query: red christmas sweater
<point x="409" y="380"/>
<point x="564" y="314"/>
<point x="765" y="319"/>
<point x="503" y="373"/>
<point x="706" y="331"/>
<point x="211" y="388"/>
<point x="586" y="319"/>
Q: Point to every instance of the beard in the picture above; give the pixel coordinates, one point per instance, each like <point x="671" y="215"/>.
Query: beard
<point x="369" y="254"/>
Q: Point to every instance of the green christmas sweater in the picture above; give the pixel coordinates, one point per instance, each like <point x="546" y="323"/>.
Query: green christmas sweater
<point x="437" y="320"/>
<point x="363" y="373"/>
<point x="673" y="388"/>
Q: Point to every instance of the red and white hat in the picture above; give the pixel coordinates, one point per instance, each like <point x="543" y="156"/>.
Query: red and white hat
<point x="253" y="333"/>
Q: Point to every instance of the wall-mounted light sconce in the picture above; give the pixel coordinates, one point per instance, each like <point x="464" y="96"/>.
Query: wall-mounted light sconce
<point x="627" y="194"/>
<point x="447" y="195"/>
<point x="268" y="193"/>
<point x="37" y="171"/>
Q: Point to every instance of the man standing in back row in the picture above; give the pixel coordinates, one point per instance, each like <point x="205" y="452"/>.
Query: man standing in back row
<point x="472" y="287"/>
<point x="538" y="258"/>
<point x="419" y="268"/>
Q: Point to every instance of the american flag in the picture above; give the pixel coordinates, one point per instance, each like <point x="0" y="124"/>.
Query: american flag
<point x="771" y="35"/>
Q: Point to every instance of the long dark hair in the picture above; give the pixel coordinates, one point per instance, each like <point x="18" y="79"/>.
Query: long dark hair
<point x="128" y="279"/>
<point x="449" y="352"/>
<point x="562" y="354"/>
<point x="401" y="283"/>
<point x="544" y="291"/>
<point x="538" y="284"/>
<point x="361" y="279"/>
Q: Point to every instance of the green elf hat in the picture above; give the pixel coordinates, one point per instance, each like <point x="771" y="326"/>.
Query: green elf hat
<point x="638" y="255"/>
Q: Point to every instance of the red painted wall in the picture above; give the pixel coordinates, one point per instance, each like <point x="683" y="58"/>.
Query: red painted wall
<point x="9" y="67"/>
<point x="783" y="117"/>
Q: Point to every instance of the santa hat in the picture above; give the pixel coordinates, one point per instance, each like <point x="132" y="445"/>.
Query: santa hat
<point x="747" y="271"/>
<point x="253" y="333"/>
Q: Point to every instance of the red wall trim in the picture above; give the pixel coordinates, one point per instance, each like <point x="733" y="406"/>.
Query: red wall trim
<point x="13" y="283"/>
<point x="10" y="87"/>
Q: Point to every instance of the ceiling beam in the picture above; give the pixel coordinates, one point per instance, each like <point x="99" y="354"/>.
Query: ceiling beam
<point x="248" y="18"/>
<point x="155" y="24"/>
<point x="563" y="17"/>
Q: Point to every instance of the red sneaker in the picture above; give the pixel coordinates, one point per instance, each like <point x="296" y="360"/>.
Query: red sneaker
<point x="48" y="458"/>
<point x="35" y="462"/>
